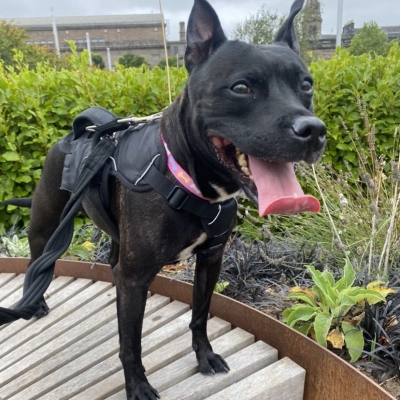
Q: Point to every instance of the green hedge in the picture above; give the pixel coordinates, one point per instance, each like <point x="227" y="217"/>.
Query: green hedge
<point x="339" y="82"/>
<point x="37" y="107"/>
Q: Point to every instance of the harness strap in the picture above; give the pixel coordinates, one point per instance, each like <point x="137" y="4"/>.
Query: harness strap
<point x="178" y="198"/>
<point x="93" y="197"/>
<point x="93" y="116"/>
<point x="216" y="218"/>
<point x="108" y="129"/>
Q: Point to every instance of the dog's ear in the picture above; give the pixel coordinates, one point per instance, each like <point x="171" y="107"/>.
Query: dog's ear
<point x="204" y="34"/>
<point x="286" y="33"/>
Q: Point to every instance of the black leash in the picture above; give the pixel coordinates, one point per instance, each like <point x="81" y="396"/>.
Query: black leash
<point x="40" y="272"/>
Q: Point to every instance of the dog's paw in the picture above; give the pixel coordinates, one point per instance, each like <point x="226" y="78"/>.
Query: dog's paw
<point x="143" y="391"/>
<point x="212" y="363"/>
<point x="43" y="309"/>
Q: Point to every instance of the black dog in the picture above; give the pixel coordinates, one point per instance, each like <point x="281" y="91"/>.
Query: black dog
<point x="244" y="118"/>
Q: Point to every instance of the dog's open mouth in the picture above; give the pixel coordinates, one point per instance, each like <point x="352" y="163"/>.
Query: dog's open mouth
<point x="272" y="185"/>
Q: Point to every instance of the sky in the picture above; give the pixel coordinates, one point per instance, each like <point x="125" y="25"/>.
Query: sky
<point x="230" y="12"/>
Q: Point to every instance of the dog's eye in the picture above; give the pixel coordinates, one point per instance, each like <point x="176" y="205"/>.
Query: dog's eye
<point x="306" y="86"/>
<point x="241" y="88"/>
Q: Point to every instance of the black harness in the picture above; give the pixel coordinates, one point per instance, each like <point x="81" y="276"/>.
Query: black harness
<point x="139" y="162"/>
<point x="91" y="155"/>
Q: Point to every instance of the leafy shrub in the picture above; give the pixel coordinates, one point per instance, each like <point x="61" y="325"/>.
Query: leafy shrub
<point x="37" y="107"/>
<point x="344" y="78"/>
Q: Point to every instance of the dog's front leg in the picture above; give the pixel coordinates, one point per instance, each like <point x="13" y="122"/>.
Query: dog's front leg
<point x="208" y="267"/>
<point x="131" y="302"/>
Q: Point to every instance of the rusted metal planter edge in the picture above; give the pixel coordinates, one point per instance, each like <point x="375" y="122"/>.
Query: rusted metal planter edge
<point x="328" y="377"/>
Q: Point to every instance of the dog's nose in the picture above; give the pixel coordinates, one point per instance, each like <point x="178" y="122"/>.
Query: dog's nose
<point x="310" y="128"/>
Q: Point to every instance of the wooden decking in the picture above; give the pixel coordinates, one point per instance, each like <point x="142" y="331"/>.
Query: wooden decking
<point x="72" y="353"/>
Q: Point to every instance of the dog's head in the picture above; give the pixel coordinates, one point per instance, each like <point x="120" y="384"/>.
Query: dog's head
<point x="252" y="111"/>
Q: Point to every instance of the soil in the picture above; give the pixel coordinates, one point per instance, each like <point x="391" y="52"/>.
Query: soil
<point x="392" y="386"/>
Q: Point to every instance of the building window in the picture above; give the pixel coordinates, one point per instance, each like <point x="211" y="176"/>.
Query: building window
<point x="176" y="51"/>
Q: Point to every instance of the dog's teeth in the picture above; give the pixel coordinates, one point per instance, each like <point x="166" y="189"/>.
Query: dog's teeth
<point x="242" y="160"/>
<point x="246" y="171"/>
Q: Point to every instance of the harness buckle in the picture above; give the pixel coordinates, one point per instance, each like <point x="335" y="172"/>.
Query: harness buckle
<point x="177" y="198"/>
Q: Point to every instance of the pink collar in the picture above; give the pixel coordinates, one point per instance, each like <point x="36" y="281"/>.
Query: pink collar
<point x="180" y="174"/>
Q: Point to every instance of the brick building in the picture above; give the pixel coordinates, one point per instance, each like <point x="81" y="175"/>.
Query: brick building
<point x="140" y="34"/>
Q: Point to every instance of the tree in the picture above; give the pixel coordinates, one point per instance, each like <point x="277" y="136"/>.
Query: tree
<point x="172" y="62"/>
<point x="370" y="39"/>
<point x="308" y="26"/>
<point x="132" y="60"/>
<point x="262" y="28"/>
<point x="13" y="38"/>
<point x="34" y="53"/>
<point x="97" y="60"/>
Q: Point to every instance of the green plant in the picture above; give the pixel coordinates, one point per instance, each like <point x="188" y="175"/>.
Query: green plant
<point x="220" y="287"/>
<point x="331" y="311"/>
<point x="14" y="247"/>
<point x="86" y="242"/>
<point x="82" y="252"/>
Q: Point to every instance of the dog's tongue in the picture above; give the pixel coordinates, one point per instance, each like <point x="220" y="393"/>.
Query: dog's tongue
<point x="279" y="192"/>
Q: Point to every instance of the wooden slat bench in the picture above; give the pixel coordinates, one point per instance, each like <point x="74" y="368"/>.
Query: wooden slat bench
<point x="73" y="352"/>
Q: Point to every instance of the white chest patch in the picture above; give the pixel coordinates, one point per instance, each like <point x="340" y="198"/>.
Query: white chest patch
<point x="223" y="195"/>
<point x="188" y="252"/>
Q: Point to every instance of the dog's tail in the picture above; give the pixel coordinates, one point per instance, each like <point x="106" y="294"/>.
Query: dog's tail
<point x="23" y="202"/>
